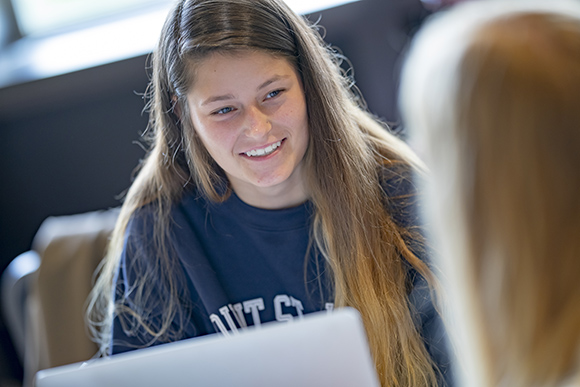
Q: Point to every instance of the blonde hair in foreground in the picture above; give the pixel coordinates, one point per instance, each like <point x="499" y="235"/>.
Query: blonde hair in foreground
<point x="361" y="243"/>
<point x="491" y="90"/>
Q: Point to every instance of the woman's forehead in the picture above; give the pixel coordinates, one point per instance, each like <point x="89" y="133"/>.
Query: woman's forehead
<point x="254" y="66"/>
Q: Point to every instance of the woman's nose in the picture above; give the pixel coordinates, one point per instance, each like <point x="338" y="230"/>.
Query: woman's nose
<point x="257" y="123"/>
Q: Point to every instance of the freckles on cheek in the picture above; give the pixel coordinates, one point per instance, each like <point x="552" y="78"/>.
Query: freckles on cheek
<point x="289" y="114"/>
<point x="219" y="140"/>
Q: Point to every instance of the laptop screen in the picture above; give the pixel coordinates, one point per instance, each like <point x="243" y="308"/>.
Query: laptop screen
<point x="322" y="349"/>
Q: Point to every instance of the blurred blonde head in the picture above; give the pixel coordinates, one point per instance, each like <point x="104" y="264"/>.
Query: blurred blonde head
<point x="491" y="94"/>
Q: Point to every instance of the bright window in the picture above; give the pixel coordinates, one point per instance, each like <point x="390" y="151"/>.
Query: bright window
<point x="36" y="17"/>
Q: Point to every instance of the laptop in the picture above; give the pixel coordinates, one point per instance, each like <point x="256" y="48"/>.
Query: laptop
<point x="322" y="349"/>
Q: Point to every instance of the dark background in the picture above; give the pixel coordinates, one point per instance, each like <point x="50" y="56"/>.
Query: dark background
<point x="67" y="143"/>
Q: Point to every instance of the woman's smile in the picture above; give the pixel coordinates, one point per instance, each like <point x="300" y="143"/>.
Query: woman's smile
<point x="260" y="153"/>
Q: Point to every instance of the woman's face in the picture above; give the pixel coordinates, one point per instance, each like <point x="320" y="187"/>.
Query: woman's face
<point x="249" y="110"/>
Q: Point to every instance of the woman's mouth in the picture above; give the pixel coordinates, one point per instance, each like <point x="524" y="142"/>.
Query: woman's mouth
<point x="261" y="152"/>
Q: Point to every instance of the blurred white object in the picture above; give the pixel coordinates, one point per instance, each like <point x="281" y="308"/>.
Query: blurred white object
<point x="15" y="283"/>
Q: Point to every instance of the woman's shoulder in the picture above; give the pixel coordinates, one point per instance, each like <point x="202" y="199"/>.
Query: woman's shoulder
<point x="146" y="215"/>
<point x="152" y="227"/>
<point x="397" y="179"/>
<point x="399" y="184"/>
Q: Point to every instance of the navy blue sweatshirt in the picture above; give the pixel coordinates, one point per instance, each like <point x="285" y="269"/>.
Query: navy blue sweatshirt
<point x="246" y="266"/>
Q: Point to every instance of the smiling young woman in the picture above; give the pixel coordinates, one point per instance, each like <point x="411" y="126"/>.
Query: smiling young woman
<point x="267" y="193"/>
<point x="249" y="110"/>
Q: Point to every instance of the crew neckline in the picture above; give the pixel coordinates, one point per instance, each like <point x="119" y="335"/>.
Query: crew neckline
<point x="263" y="219"/>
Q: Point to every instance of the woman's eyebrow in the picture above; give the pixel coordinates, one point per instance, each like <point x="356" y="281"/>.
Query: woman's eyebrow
<point x="272" y="80"/>
<point x="217" y="98"/>
<point x="226" y="97"/>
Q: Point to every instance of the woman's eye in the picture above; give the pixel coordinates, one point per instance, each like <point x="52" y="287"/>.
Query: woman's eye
<point x="273" y="94"/>
<point x="225" y="110"/>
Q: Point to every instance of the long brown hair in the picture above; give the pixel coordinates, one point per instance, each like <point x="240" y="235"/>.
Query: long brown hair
<point x="493" y="90"/>
<point x="361" y="243"/>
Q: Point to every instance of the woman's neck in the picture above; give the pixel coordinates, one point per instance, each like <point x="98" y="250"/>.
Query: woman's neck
<point x="291" y="193"/>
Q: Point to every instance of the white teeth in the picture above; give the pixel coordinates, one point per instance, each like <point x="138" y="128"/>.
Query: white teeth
<point x="264" y="151"/>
